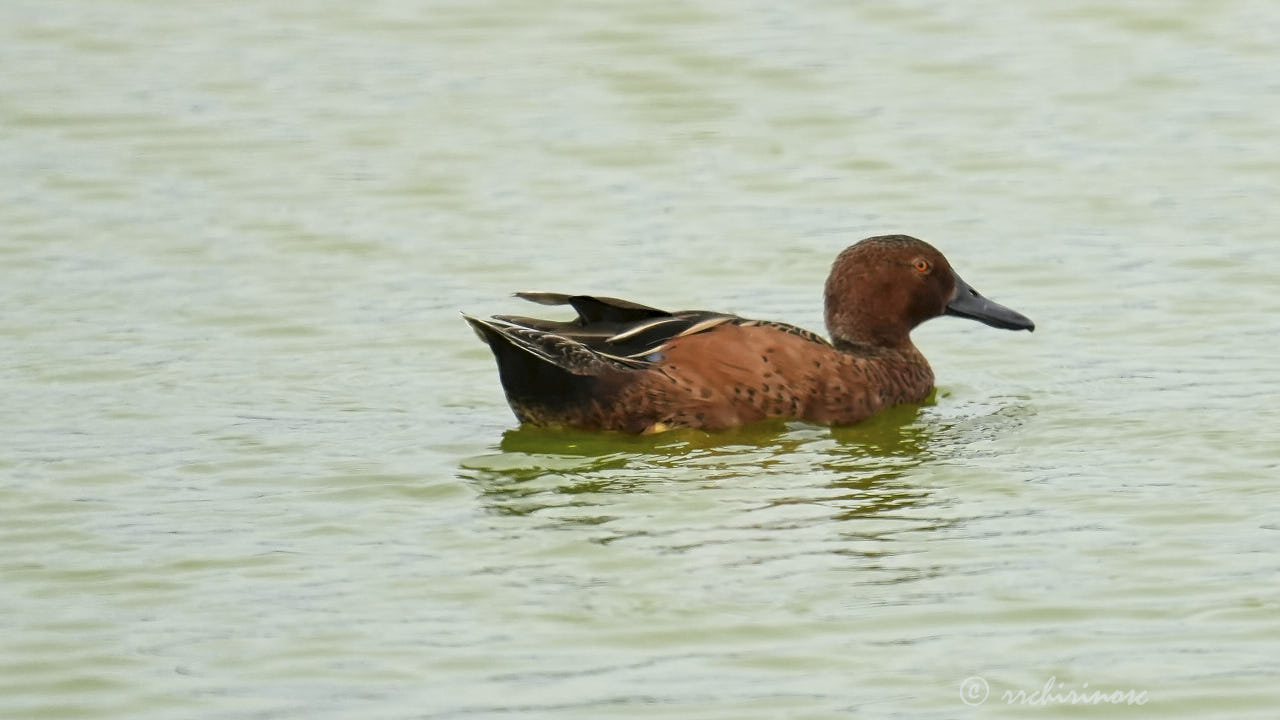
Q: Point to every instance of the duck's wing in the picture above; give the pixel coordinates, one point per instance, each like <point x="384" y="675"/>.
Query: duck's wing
<point x="594" y="308"/>
<point x="550" y="348"/>
<point x="572" y="372"/>
<point x="615" y="327"/>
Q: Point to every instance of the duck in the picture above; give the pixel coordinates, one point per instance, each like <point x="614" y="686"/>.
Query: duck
<point x="623" y="366"/>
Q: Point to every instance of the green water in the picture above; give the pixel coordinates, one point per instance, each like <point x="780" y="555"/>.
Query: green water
<point x="254" y="465"/>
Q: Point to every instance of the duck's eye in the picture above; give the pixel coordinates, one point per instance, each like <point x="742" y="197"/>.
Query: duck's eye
<point x="921" y="265"/>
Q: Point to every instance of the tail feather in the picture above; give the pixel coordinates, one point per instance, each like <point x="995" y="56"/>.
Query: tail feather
<point x="548" y="379"/>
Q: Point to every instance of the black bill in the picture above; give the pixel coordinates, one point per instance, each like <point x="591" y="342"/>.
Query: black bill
<point x="968" y="303"/>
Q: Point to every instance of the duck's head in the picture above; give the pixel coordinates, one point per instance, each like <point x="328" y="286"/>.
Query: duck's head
<point x="881" y="288"/>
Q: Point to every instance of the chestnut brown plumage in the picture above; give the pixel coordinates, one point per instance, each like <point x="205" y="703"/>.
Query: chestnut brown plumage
<point x="624" y="366"/>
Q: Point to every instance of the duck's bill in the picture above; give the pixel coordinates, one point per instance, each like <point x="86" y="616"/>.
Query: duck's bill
<point x="968" y="303"/>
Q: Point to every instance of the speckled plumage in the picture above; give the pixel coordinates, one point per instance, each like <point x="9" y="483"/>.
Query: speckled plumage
<point x="624" y="366"/>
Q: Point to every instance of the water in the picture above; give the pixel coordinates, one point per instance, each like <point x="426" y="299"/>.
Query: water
<point x="255" y="465"/>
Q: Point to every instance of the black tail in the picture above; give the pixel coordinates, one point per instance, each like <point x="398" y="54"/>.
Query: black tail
<point x="548" y="379"/>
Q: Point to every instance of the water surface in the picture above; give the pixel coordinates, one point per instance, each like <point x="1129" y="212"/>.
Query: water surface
<point x="255" y="465"/>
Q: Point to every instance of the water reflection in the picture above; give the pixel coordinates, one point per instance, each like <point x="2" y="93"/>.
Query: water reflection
<point x="894" y="432"/>
<point x="858" y="486"/>
<point x="779" y="473"/>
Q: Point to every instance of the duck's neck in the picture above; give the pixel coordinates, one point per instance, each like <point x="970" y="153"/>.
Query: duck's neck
<point x="901" y="369"/>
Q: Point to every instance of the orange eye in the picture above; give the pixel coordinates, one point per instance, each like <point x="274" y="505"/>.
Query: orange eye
<point x="921" y="265"/>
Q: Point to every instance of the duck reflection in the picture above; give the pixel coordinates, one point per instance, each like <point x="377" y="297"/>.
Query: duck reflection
<point x="849" y="472"/>
<point x="787" y="495"/>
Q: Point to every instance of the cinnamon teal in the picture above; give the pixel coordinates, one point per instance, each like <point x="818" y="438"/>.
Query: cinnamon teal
<point x="624" y="366"/>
